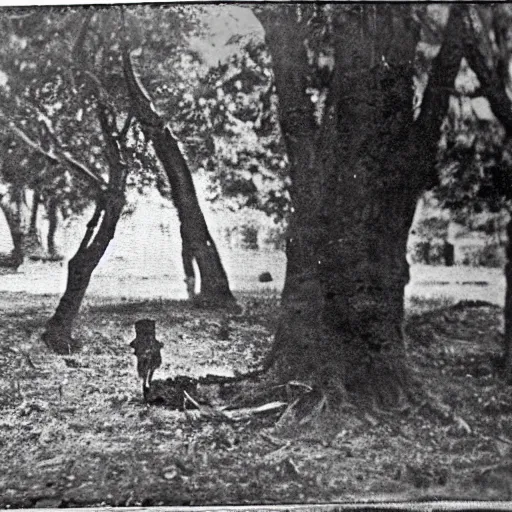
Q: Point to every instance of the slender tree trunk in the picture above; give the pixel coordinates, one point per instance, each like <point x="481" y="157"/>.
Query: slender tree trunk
<point x="52" y="228"/>
<point x="100" y="231"/>
<point x="15" y="211"/>
<point x="196" y="237"/>
<point x="33" y="245"/>
<point x="356" y="179"/>
<point x="36" y="201"/>
<point x="17" y="255"/>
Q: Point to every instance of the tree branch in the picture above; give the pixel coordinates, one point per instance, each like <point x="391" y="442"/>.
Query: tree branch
<point x="126" y="126"/>
<point x="81" y="168"/>
<point x="493" y="80"/>
<point x="58" y="156"/>
<point x="104" y="103"/>
<point x="444" y="70"/>
<point x="142" y="105"/>
<point x="426" y="131"/>
<point x="29" y="142"/>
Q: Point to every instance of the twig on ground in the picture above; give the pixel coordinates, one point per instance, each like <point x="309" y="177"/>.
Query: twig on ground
<point x="278" y="451"/>
<point x="271" y="439"/>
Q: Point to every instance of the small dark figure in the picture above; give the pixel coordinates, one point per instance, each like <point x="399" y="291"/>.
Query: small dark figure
<point x="147" y="351"/>
<point x="225" y="329"/>
<point x="265" y="277"/>
<point x="448" y="253"/>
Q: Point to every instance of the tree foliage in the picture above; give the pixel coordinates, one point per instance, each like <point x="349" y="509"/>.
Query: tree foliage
<point x="233" y="113"/>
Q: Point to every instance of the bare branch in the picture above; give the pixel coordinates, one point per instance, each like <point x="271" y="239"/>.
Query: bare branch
<point x="141" y="101"/>
<point x="82" y="169"/>
<point x="62" y="157"/>
<point x="30" y="143"/>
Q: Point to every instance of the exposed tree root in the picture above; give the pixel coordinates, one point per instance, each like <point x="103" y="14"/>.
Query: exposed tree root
<point x="311" y="402"/>
<point x="60" y="342"/>
<point x="324" y="400"/>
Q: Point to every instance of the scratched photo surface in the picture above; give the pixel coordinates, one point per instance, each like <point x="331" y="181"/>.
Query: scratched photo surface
<point x="255" y="254"/>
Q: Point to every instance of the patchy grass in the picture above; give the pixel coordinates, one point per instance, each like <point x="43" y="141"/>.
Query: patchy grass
<point x="74" y="430"/>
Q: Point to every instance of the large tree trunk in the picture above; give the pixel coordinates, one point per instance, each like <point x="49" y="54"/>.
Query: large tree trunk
<point x="197" y="241"/>
<point x="80" y="268"/>
<point x="356" y="178"/>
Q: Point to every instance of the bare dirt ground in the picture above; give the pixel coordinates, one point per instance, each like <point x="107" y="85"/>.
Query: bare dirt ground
<point x="75" y="432"/>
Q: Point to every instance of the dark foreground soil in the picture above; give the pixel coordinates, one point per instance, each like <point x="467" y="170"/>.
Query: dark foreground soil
<point x="75" y="432"/>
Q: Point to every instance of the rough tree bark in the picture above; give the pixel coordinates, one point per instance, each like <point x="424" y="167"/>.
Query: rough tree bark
<point x="492" y="71"/>
<point x="356" y="178"/>
<point x="197" y="242"/>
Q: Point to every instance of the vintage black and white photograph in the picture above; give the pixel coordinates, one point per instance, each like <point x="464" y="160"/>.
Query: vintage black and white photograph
<point x="255" y="254"/>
